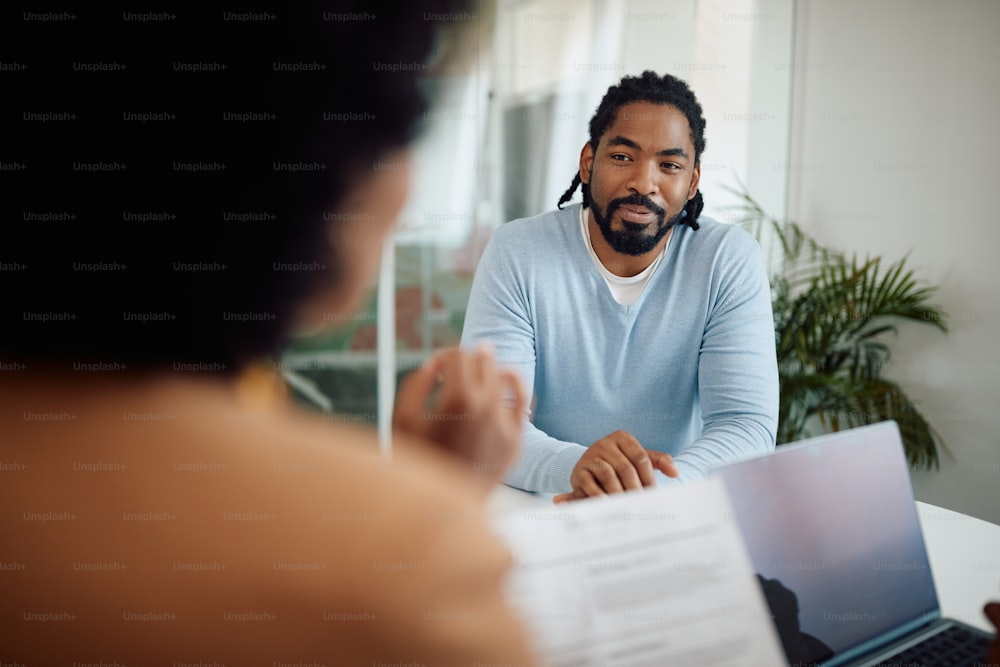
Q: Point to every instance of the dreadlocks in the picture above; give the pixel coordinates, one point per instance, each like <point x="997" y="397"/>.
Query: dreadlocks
<point x="649" y="87"/>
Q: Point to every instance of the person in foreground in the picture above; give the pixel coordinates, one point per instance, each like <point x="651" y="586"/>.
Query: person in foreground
<point x="992" y="612"/>
<point x="155" y="507"/>
<point x="643" y="329"/>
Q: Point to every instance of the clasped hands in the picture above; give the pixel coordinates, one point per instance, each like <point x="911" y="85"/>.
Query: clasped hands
<point x="467" y="405"/>
<point x="614" y="464"/>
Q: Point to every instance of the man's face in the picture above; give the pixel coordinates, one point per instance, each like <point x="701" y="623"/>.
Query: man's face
<point x="641" y="176"/>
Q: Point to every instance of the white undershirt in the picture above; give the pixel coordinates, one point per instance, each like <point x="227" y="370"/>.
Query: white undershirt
<point x="625" y="291"/>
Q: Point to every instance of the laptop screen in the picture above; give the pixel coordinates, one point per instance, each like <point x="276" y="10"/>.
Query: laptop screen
<point x="831" y="528"/>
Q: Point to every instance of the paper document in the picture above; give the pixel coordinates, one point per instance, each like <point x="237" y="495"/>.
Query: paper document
<point x="645" y="578"/>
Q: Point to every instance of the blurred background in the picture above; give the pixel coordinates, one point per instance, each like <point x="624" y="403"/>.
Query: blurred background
<point x="869" y="124"/>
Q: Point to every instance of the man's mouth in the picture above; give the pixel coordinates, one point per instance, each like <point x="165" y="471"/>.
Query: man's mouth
<point x="637" y="215"/>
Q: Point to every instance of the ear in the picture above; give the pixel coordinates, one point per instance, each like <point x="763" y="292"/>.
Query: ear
<point x="695" y="179"/>
<point x="586" y="162"/>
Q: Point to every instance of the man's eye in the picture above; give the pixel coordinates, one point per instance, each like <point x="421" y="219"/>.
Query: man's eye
<point x="670" y="165"/>
<point x="621" y="157"/>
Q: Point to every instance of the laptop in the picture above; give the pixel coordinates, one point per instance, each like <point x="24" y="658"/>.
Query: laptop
<point x="831" y="528"/>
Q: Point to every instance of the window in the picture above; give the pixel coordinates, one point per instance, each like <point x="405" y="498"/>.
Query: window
<point x="504" y="141"/>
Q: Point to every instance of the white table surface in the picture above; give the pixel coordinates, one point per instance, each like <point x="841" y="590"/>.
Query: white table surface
<point x="964" y="553"/>
<point x="965" y="559"/>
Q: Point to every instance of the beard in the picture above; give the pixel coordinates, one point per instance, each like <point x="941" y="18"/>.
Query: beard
<point x="633" y="239"/>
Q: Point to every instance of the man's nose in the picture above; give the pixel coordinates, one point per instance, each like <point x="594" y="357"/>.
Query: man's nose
<point x="643" y="178"/>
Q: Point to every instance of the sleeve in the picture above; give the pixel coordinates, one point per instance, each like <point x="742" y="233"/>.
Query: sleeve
<point x="737" y="366"/>
<point x="499" y="312"/>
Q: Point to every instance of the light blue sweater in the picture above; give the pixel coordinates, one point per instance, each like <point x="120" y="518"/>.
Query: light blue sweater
<point x="688" y="369"/>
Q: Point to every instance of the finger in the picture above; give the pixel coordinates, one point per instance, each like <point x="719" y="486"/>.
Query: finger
<point x="606" y="474"/>
<point x="992" y="611"/>
<point x="625" y="477"/>
<point x="457" y="380"/>
<point x="575" y="494"/>
<point x="487" y="374"/>
<point x="637" y="455"/>
<point x="414" y="390"/>
<point x="586" y="483"/>
<point x="628" y="475"/>
<point x="637" y="468"/>
<point x="515" y="397"/>
<point x="664" y="463"/>
<point x="485" y="361"/>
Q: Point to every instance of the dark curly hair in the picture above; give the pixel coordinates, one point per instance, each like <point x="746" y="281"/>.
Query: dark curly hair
<point x="174" y="185"/>
<point x="648" y="87"/>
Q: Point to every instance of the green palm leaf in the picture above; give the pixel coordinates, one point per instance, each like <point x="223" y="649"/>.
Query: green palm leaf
<point x="832" y="319"/>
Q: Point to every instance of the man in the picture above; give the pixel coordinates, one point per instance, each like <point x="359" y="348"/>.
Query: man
<point x="644" y="331"/>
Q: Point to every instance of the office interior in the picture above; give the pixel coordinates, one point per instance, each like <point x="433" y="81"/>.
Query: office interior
<point x="868" y="124"/>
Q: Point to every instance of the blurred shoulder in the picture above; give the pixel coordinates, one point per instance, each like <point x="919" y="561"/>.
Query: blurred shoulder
<point x="290" y="513"/>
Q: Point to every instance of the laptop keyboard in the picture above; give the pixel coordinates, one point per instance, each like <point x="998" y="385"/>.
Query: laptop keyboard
<point x="952" y="647"/>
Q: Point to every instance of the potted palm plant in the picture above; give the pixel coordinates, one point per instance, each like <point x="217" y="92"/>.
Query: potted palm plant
<point x="832" y="318"/>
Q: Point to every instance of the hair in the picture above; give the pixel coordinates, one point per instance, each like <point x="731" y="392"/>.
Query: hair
<point x="648" y="87"/>
<point x="186" y="195"/>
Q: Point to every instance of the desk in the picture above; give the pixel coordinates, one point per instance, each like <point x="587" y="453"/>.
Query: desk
<point x="964" y="553"/>
<point x="965" y="558"/>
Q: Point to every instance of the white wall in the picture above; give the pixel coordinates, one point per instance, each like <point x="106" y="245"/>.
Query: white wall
<point x="896" y="151"/>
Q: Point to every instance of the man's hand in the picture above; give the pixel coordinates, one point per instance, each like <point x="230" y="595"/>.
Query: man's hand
<point x="467" y="406"/>
<point x="614" y="464"/>
<point x="992" y="611"/>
